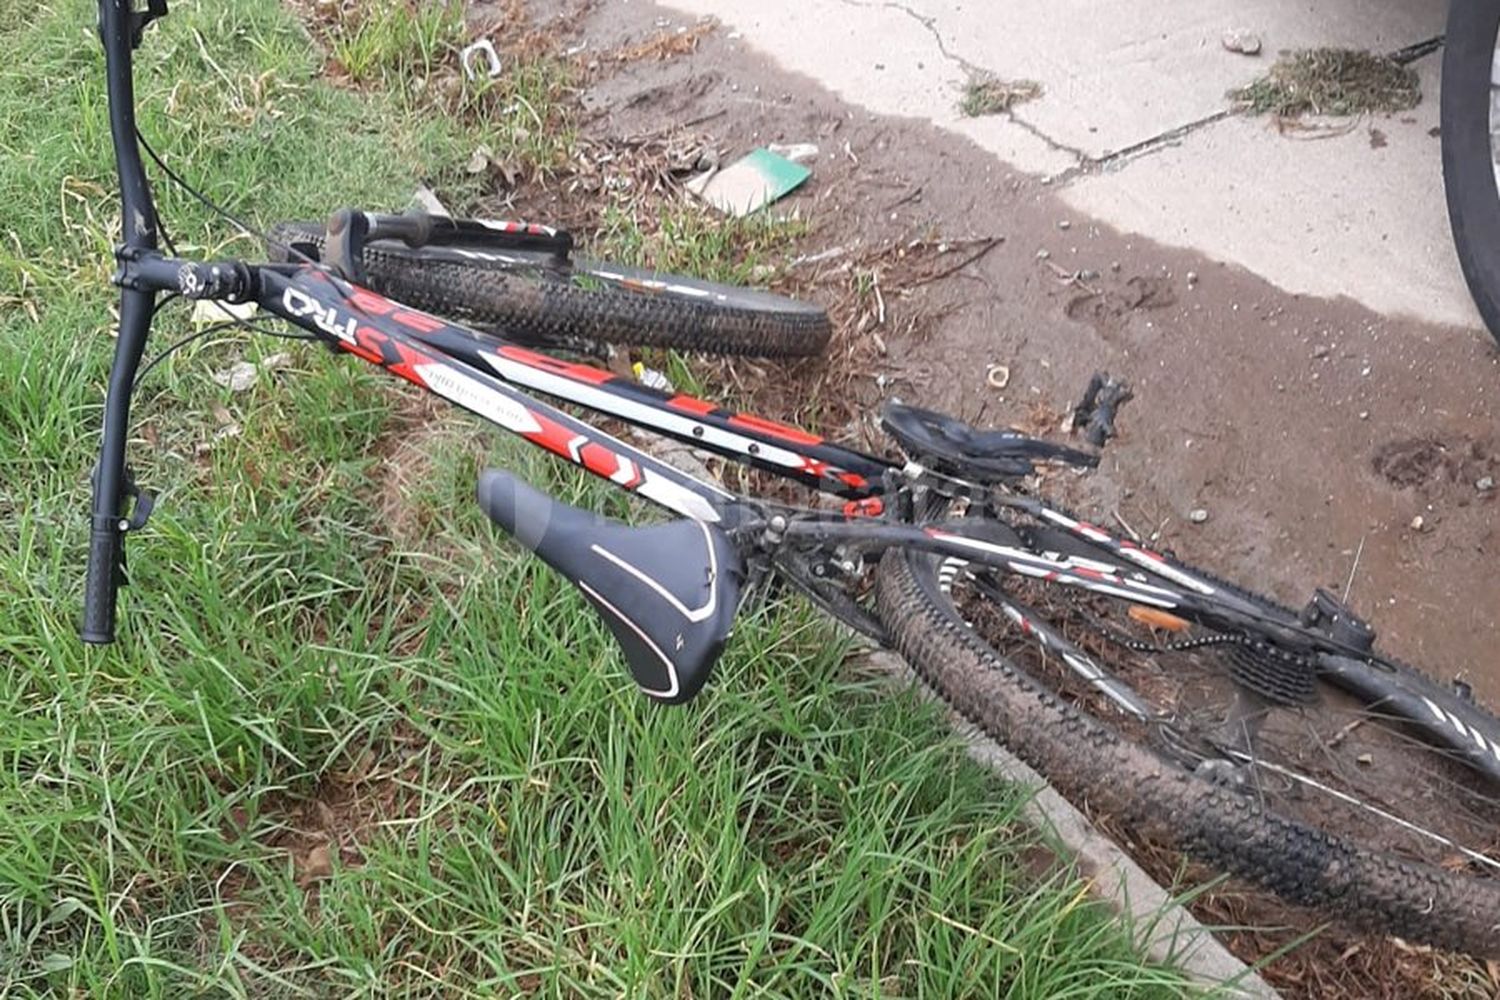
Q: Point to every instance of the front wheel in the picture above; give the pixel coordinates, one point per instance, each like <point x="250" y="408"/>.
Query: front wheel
<point x="1252" y="821"/>
<point x="1471" y="125"/>
<point x="532" y="298"/>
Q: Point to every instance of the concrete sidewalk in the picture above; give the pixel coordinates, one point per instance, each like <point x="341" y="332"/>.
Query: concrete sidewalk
<point x="1359" y="213"/>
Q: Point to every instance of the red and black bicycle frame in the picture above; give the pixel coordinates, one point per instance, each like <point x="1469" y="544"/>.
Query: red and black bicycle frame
<point x="491" y="378"/>
<point x="479" y="372"/>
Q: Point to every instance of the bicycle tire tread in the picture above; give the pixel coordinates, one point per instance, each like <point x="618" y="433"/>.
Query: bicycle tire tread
<point x="1087" y="760"/>
<point x="560" y="314"/>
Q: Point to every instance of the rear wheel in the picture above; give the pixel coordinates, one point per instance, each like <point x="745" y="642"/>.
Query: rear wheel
<point x="531" y="298"/>
<point x="1471" y="140"/>
<point x="1284" y="800"/>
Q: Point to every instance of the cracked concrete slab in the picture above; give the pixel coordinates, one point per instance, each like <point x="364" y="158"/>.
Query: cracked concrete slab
<point x="1359" y="214"/>
<point x="1120" y="72"/>
<point x="1356" y="211"/>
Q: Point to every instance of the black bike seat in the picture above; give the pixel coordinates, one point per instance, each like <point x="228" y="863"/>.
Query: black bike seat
<point x="956" y="448"/>
<point x="668" y="592"/>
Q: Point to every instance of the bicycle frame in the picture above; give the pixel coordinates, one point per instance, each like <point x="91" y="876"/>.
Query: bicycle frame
<point x="490" y="376"/>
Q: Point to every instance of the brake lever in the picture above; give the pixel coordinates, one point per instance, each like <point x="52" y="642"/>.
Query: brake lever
<point x="345" y="251"/>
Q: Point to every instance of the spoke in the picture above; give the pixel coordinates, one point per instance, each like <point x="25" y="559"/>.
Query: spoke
<point x="1182" y="700"/>
<point x="1348" y="799"/>
<point x="1050" y="640"/>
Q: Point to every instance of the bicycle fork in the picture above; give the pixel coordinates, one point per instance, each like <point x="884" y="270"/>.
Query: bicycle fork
<point x="120" y="27"/>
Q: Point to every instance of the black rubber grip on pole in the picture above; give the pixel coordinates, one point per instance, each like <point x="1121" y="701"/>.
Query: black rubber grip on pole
<point x="101" y="586"/>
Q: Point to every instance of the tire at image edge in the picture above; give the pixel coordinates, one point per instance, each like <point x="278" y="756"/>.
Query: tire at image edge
<point x="1468" y="157"/>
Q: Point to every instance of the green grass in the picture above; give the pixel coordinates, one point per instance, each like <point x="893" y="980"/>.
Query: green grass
<point x="686" y="237"/>
<point x="409" y="51"/>
<point x="351" y="742"/>
<point x="393" y="43"/>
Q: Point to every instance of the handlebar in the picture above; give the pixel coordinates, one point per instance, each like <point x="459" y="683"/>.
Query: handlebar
<point x="101" y="586"/>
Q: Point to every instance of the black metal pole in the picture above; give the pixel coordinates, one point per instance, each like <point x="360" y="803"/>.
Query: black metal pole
<point x="107" y="531"/>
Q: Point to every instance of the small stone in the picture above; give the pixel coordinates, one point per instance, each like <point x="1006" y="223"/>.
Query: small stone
<point x="1114" y="266"/>
<point x="1242" y="42"/>
<point x="1486" y="484"/>
<point x="1364" y="414"/>
<point x="1198" y="515"/>
<point x="1365" y="759"/>
<point x="1192" y="278"/>
<point x="239" y="377"/>
<point x="1065" y="225"/>
<point x="1043" y="255"/>
<point x="1417" y="523"/>
<point x="1088" y="275"/>
<point x="1321" y="351"/>
<point x="479" y="162"/>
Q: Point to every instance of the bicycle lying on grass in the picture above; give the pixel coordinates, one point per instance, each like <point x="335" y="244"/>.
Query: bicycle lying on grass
<point x="1272" y="743"/>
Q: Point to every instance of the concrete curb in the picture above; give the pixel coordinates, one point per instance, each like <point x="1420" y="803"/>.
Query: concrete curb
<point x="1163" y="928"/>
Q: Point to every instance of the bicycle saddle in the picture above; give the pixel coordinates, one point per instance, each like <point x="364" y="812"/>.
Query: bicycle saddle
<point x="956" y="448"/>
<point x="668" y="592"/>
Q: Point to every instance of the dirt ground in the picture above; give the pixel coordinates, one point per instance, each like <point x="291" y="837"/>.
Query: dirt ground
<point x="1313" y="432"/>
<point x="1328" y="445"/>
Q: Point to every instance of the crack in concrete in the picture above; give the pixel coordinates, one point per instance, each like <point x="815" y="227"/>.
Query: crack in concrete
<point x="930" y="23"/>
<point x="1138" y="150"/>
<point x="1053" y="144"/>
<point x="975" y="72"/>
<point x="1086" y="164"/>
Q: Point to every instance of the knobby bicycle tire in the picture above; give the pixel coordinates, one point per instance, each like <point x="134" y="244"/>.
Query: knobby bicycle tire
<point x="1219" y="825"/>
<point x="533" y="305"/>
<point x="1468" y="150"/>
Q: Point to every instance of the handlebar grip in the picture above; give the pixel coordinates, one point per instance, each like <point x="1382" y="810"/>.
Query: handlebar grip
<point x="101" y="586"/>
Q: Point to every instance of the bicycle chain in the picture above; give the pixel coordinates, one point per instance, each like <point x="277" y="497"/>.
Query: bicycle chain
<point x="1254" y="597"/>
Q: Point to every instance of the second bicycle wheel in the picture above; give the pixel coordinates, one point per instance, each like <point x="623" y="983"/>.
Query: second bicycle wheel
<point x="1332" y="806"/>
<point x="529" y="297"/>
<point x="1471" y="152"/>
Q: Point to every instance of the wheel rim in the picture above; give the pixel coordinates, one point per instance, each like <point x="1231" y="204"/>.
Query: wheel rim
<point x="1337" y="765"/>
<point x="1495" y="110"/>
